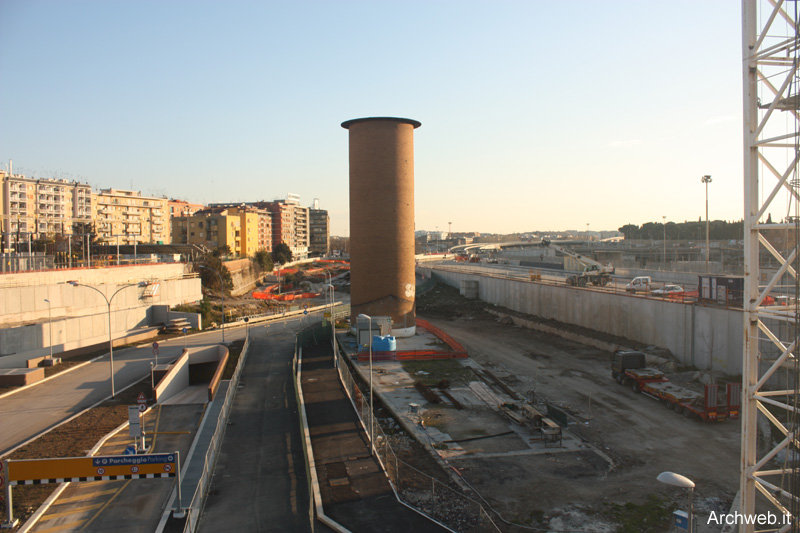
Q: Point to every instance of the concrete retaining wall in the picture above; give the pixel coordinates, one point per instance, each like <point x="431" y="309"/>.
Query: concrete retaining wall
<point x="243" y="275"/>
<point x="22" y="296"/>
<point x="177" y="379"/>
<point x="708" y="338"/>
<point x="79" y="314"/>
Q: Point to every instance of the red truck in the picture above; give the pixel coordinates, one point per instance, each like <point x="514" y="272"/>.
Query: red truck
<point x="628" y="367"/>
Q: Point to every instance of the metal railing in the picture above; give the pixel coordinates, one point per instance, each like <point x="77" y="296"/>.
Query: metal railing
<point x="195" y="506"/>
<point x="415" y="489"/>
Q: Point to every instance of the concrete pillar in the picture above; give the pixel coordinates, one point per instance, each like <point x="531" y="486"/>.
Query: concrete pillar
<point x="382" y="279"/>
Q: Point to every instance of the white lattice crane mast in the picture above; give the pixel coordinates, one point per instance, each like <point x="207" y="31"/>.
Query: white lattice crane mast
<point x="769" y="371"/>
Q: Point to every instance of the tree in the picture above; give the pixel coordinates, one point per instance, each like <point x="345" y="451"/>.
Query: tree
<point x="263" y="260"/>
<point x="630" y="231"/>
<point x="282" y="254"/>
<point x="222" y="251"/>
<point x="208" y="275"/>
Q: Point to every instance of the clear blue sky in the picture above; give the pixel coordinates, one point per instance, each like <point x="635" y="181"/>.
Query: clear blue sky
<point x="535" y="115"/>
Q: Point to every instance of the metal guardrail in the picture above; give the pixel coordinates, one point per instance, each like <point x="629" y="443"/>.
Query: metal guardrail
<point x="195" y="506"/>
<point x="413" y="488"/>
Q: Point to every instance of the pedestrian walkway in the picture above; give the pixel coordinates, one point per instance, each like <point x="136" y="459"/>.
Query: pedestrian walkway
<point x="355" y="491"/>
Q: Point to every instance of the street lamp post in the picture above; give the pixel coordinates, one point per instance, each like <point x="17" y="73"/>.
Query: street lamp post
<point x="665" y="241"/>
<point x="222" y="292"/>
<point x="50" y="324"/>
<point x="333" y="324"/>
<point x="330" y="289"/>
<point x="371" y="405"/>
<point x="110" y="339"/>
<point x="677" y="480"/>
<point x="706" y="179"/>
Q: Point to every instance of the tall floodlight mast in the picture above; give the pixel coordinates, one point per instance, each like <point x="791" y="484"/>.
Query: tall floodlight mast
<point x="769" y="473"/>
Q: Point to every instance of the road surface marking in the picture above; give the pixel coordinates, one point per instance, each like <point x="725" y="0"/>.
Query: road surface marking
<point x="118" y="492"/>
<point x="68" y="526"/>
<point x="83" y="496"/>
<point x="293" y="489"/>
<point x="155" y="429"/>
<point x="70" y="512"/>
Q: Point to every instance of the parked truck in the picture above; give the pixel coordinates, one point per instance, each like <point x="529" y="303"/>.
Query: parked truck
<point x="629" y="368"/>
<point x="642" y="284"/>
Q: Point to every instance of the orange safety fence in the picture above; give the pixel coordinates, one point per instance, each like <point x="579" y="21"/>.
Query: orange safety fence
<point x="456" y="350"/>
<point x="285" y="297"/>
<point x="450" y="341"/>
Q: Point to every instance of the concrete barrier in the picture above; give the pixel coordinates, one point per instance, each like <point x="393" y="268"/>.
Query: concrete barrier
<point x="706" y="337"/>
<point x="178" y="375"/>
<point x="34" y="363"/>
<point x="214" y="384"/>
<point x="19" y="377"/>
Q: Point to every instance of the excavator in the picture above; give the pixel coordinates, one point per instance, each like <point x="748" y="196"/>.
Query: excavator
<point x="594" y="272"/>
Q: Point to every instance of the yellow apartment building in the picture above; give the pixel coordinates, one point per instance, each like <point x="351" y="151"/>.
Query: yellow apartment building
<point x="238" y="228"/>
<point x="128" y="217"/>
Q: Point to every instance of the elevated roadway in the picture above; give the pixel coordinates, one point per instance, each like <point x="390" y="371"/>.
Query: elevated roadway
<point x="260" y="482"/>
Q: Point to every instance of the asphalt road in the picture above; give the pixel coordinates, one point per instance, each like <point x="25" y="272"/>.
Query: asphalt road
<point x="259" y="482"/>
<point x="27" y="413"/>
<point x="616" y="284"/>
<point x="125" y="505"/>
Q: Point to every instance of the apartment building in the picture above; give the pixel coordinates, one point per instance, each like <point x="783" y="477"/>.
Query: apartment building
<point x="289" y="222"/>
<point x="181" y="208"/>
<point x="243" y="229"/>
<point x="32" y="209"/>
<point x="128" y="217"/>
<point x="319" y="231"/>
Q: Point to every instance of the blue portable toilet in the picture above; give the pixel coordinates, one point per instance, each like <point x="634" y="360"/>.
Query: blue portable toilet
<point x="681" y="520"/>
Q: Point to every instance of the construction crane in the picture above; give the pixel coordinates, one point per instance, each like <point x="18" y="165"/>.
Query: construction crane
<point x="594" y="272"/>
<point x="771" y="362"/>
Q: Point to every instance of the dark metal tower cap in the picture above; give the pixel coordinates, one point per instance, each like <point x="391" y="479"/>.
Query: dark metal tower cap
<point x="346" y="124"/>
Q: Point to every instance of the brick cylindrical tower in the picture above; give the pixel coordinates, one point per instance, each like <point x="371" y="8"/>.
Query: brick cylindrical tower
<point x="382" y="220"/>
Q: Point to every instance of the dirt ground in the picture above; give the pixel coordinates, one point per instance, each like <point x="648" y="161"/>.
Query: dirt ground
<point x="610" y="485"/>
